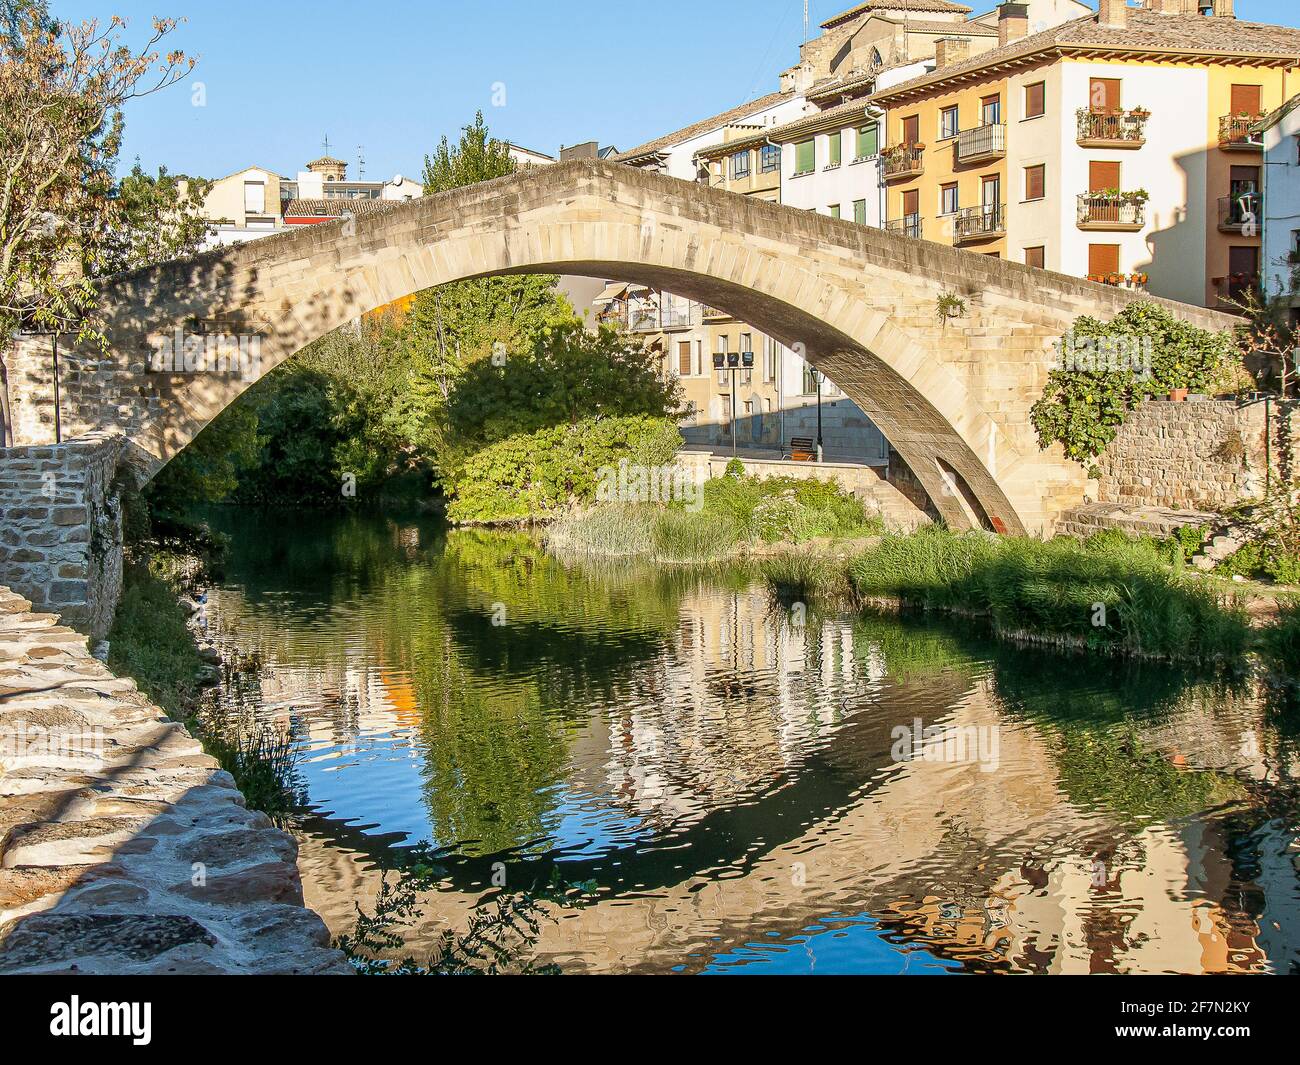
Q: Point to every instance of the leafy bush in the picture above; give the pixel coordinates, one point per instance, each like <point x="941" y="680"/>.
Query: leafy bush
<point x="539" y="474"/>
<point x="1082" y="408"/>
<point x="1272" y="547"/>
<point x="1280" y="642"/>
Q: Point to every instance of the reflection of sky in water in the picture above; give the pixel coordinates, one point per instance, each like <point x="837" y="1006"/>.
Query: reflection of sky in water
<point x="660" y="742"/>
<point x="827" y="947"/>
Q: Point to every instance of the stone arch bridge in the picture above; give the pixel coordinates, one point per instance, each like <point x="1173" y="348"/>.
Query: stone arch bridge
<point x="952" y="396"/>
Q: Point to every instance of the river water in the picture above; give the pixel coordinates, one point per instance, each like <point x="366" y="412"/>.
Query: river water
<point x="728" y="786"/>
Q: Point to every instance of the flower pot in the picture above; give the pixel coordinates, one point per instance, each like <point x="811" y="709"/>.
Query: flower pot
<point x="1177" y="395"/>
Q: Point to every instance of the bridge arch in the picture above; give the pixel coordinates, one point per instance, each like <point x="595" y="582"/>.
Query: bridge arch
<point x="951" y="395"/>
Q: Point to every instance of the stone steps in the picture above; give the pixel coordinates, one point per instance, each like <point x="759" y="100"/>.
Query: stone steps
<point x="123" y="847"/>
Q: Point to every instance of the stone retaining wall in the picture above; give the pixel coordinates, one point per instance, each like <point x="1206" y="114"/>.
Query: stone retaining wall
<point x="123" y="847"/>
<point x="1198" y="455"/>
<point x="61" y="527"/>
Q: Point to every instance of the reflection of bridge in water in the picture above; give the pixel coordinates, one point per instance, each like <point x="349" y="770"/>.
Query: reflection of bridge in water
<point x="760" y="809"/>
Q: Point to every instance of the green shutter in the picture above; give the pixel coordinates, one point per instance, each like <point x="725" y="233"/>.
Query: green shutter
<point x="835" y="210"/>
<point x="868" y="138"/>
<point x="835" y="148"/>
<point x="860" y="212"/>
<point x="804" y="157"/>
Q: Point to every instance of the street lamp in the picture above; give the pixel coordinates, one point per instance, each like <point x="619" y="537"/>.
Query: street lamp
<point x="734" y="362"/>
<point x="817" y="380"/>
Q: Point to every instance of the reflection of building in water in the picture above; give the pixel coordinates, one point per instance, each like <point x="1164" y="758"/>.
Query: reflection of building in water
<point x="750" y="693"/>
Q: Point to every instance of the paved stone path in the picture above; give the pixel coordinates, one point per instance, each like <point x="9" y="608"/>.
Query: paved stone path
<point x="123" y="847"/>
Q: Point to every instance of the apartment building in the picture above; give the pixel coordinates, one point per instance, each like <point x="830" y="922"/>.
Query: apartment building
<point x="1117" y="146"/>
<point x="256" y="201"/>
<point x="1279" y="209"/>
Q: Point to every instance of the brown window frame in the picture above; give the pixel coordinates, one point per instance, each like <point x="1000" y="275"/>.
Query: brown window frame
<point x="1041" y="86"/>
<point x="1040" y="170"/>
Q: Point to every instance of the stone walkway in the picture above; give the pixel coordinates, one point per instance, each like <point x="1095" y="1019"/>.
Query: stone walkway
<point x="123" y="847"/>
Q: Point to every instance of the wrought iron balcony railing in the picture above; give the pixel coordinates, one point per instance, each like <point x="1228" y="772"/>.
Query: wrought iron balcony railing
<point x="1111" y="129"/>
<point x="1242" y="213"/>
<point x="984" y="222"/>
<point x="982" y="143"/>
<point x="1238" y="131"/>
<point x="903" y="160"/>
<point x="1111" y="210"/>
<point x="908" y="226"/>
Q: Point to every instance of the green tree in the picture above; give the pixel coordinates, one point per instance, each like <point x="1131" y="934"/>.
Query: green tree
<point x="455" y="326"/>
<point x="158" y="218"/>
<point x="62" y="88"/>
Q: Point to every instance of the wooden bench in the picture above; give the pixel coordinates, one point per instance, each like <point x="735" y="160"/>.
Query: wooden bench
<point x="802" y="449"/>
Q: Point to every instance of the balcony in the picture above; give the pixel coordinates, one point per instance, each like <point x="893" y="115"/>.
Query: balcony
<point x="986" y="222"/>
<point x="1111" y="129"/>
<point x="1242" y="214"/>
<point x="1237" y="133"/>
<point x="1117" y="212"/>
<point x="903" y="161"/>
<point x="982" y="144"/>
<point x="907" y="226"/>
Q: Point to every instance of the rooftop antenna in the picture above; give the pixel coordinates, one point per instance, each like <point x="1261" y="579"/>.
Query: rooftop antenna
<point x="361" y="161"/>
<point x="805" y="21"/>
<point x="326" y="144"/>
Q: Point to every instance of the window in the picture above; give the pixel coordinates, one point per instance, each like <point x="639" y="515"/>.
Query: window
<point x="835" y="146"/>
<point x="860" y="212"/>
<point x="1246" y="100"/>
<point x="255" y="197"/>
<point x="948" y="126"/>
<point x="1035" y="100"/>
<point x="769" y="158"/>
<point x="1103" y="175"/>
<point x="747" y="343"/>
<point x="991" y="190"/>
<point x="769" y="359"/>
<point x="1035" y="182"/>
<point x="1035" y="256"/>
<point x="948" y="199"/>
<point x="1103" y="259"/>
<point x="809" y="381"/>
<point x="868" y="141"/>
<point x="991" y="110"/>
<point x="911" y="130"/>
<point x="1103" y="95"/>
<point x="740" y="165"/>
<point x="834" y="210"/>
<point x="805" y="157"/>
<point x="684" y="358"/>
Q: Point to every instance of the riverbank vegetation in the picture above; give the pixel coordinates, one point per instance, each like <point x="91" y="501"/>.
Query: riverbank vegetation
<point x="1111" y="593"/>
<point x="151" y="641"/>
<point x="725" y="517"/>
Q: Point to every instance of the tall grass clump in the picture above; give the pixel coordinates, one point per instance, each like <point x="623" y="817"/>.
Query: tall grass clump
<point x="1280" y="641"/>
<point x="797" y="577"/>
<point x="612" y="530"/>
<point x="686" y="536"/>
<point x="932" y="568"/>
<point x="1112" y="593"/>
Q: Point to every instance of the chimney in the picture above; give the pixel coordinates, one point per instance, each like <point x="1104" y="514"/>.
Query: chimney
<point x="1223" y="9"/>
<point x="1113" y="13"/>
<point x="949" y="50"/>
<point x="1013" y="22"/>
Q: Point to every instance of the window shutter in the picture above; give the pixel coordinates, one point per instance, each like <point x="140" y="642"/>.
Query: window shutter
<point x="1034" y="182"/>
<point x="1246" y="100"/>
<point x="805" y="155"/>
<point x="1103" y="258"/>
<point x="1102" y="175"/>
<point x="868" y="141"/>
<point x="835" y="148"/>
<point x="1035" y="256"/>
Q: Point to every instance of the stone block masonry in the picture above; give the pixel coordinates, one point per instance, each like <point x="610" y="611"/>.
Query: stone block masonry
<point x="1199" y="455"/>
<point x="125" y="849"/>
<point x="61" y="527"/>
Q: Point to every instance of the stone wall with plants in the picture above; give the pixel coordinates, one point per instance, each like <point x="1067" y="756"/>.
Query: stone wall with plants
<point x="61" y="528"/>
<point x="1204" y="454"/>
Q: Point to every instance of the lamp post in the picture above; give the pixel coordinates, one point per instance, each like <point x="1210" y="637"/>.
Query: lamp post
<point x="734" y="362"/>
<point x="817" y="380"/>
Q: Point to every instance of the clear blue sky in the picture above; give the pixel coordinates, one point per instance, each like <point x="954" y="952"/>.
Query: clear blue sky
<point x="396" y="75"/>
